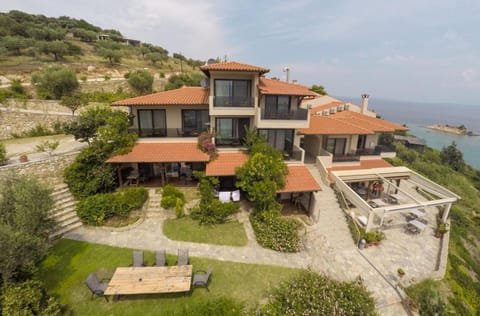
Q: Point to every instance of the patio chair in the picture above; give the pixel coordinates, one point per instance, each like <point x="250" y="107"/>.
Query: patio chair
<point x="160" y="258"/>
<point x="236" y="195"/>
<point x="95" y="286"/>
<point x="137" y="258"/>
<point x="201" y="279"/>
<point x="182" y="257"/>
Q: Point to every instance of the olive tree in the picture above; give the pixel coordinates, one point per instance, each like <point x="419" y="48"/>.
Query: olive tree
<point x="141" y="81"/>
<point x="55" y="81"/>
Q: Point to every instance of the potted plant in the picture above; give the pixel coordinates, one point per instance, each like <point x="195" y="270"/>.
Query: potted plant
<point x="441" y="229"/>
<point x="400" y="272"/>
<point x="23" y="158"/>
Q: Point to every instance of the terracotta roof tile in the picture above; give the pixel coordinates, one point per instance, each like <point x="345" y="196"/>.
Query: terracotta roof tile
<point x="233" y="66"/>
<point x="182" y="96"/>
<point x="277" y="87"/>
<point x="326" y="106"/>
<point x="299" y="179"/>
<point x="348" y="123"/>
<point x="225" y="164"/>
<point x="162" y="152"/>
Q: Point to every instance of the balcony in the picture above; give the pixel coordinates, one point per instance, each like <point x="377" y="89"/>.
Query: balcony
<point x="166" y="132"/>
<point x="298" y="115"/>
<point x="228" y="142"/>
<point x="233" y="101"/>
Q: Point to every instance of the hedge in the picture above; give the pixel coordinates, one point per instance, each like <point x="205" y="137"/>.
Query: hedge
<point x="274" y="232"/>
<point x="95" y="209"/>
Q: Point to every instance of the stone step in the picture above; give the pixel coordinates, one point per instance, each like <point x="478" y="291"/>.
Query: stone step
<point x="64" y="230"/>
<point x="65" y="217"/>
<point x="63" y="205"/>
<point x="62" y="211"/>
<point x="63" y="198"/>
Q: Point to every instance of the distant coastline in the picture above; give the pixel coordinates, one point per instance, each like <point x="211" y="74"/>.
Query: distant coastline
<point x="457" y="130"/>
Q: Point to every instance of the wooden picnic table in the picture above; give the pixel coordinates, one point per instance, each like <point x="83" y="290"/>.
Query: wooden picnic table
<point x="150" y="280"/>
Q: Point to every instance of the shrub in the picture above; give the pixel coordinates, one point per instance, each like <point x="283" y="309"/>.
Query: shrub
<point x="179" y="203"/>
<point x="41" y="130"/>
<point x="83" y="78"/>
<point x="95" y="209"/>
<point x="28" y="298"/>
<point x="107" y="77"/>
<point x="274" y="232"/>
<point x="216" y="307"/>
<point x="54" y="82"/>
<point x="310" y="293"/>
<point x="170" y="194"/>
<point x="3" y="155"/>
<point x="426" y="296"/>
<point x="374" y="236"/>
<point x="133" y="197"/>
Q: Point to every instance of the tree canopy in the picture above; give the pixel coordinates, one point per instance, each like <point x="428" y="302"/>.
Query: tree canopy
<point x="55" y="81"/>
<point x="319" y="89"/>
<point x="141" y="81"/>
<point x="452" y="157"/>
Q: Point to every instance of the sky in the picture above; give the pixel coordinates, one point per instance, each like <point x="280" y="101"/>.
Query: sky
<point x="425" y="51"/>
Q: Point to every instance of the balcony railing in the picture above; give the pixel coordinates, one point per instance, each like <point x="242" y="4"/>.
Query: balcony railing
<point x="233" y="101"/>
<point x="299" y="115"/>
<point x="345" y="158"/>
<point x="166" y="132"/>
<point x="228" y="142"/>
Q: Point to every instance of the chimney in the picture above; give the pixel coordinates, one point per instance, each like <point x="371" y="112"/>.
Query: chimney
<point x="364" y="108"/>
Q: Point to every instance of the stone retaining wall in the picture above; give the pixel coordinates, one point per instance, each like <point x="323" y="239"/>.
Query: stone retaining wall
<point x="48" y="171"/>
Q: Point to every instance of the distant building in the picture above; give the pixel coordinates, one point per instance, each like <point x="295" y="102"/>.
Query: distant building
<point x="411" y="142"/>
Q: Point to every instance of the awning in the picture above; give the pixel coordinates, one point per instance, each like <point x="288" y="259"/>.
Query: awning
<point x="162" y="152"/>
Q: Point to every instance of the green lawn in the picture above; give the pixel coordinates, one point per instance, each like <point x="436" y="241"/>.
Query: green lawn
<point x="186" y="229"/>
<point x="70" y="262"/>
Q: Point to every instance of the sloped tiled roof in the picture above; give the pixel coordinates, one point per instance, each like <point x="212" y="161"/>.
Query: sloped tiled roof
<point x="162" y="152"/>
<point x="225" y="164"/>
<point x="299" y="179"/>
<point x="233" y="66"/>
<point x="181" y="96"/>
<point x="277" y="87"/>
<point x="326" y="106"/>
<point x="348" y="123"/>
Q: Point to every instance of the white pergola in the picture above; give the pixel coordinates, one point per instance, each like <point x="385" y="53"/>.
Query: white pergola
<point x="440" y="196"/>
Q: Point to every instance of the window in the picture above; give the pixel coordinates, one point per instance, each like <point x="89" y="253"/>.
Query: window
<point x="231" y="131"/>
<point x="281" y="139"/>
<point x="233" y="93"/>
<point x="362" y="140"/>
<point x="336" y="146"/>
<point x="152" y="123"/>
<point x="277" y="107"/>
<point x="195" y="121"/>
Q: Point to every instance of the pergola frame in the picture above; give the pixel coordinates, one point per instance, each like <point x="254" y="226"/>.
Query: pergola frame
<point x="341" y="178"/>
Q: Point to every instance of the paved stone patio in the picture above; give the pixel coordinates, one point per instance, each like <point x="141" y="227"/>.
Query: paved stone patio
<point x="328" y="249"/>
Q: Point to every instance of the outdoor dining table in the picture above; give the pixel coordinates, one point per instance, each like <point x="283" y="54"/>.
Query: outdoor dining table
<point x="150" y="280"/>
<point x="421" y="226"/>
<point x="379" y="202"/>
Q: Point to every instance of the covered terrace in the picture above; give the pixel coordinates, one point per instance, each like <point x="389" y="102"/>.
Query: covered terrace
<point x="402" y="192"/>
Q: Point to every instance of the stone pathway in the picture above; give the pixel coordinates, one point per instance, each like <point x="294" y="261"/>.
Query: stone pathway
<point x="328" y="247"/>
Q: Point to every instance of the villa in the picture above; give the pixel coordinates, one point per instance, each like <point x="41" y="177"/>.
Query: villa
<point x="320" y="138"/>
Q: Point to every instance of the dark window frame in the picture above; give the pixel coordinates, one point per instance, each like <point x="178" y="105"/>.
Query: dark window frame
<point x="197" y="128"/>
<point x="154" y="128"/>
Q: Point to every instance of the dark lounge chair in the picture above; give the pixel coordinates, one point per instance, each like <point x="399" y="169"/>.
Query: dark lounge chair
<point x="137" y="258"/>
<point x="160" y="258"/>
<point x="182" y="257"/>
<point x="95" y="286"/>
<point x="202" y="278"/>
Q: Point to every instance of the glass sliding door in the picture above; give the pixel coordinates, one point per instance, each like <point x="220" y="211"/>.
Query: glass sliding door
<point x="194" y="122"/>
<point x="152" y="123"/>
<point x="233" y="93"/>
<point x="277" y="107"/>
<point x="281" y="139"/>
<point x="231" y="131"/>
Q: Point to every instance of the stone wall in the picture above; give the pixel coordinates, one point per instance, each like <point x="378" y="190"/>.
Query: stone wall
<point x="48" y="171"/>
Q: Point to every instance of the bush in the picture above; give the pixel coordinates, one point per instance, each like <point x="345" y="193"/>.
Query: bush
<point x="312" y="294"/>
<point x="133" y="197"/>
<point x="274" y="232"/>
<point x="55" y="82"/>
<point x="28" y="298"/>
<point x="95" y="209"/>
<point x="426" y="296"/>
<point x="170" y="194"/>
<point x="216" y="307"/>
<point x="179" y="203"/>
<point x="3" y="155"/>
<point x="41" y="130"/>
<point x="374" y="236"/>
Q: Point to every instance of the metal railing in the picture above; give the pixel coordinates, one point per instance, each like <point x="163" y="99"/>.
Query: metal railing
<point x="166" y="132"/>
<point x="228" y="142"/>
<point x="233" y="101"/>
<point x="299" y="114"/>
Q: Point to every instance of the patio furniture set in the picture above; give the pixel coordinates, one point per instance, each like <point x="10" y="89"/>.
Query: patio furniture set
<point x="160" y="278"/>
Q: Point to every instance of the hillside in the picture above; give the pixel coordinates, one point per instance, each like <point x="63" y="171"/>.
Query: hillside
<point x="30" y="42"/>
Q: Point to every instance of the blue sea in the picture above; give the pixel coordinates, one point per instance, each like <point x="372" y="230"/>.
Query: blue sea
<point x="417" y="115"/>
